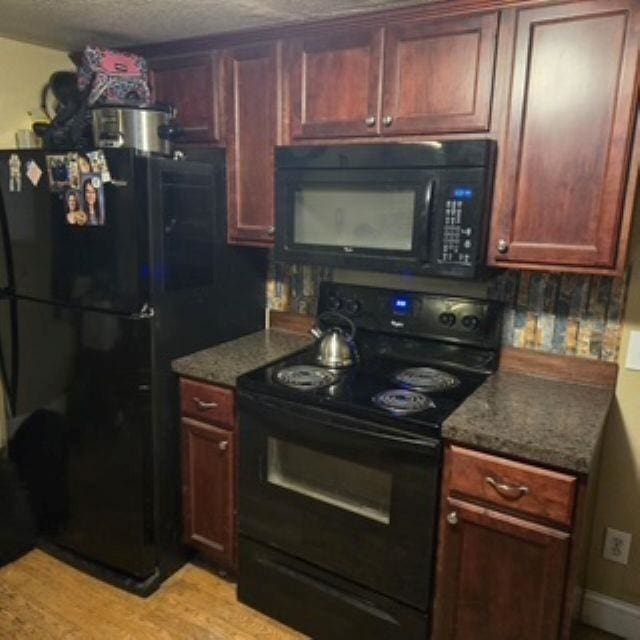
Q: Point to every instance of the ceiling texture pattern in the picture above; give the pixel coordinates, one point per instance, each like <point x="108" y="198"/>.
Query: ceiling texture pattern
<point x="71" y="24"/>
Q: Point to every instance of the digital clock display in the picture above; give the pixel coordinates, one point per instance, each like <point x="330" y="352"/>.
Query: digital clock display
<point x="401" y="305"/>
<point x="462" y="193"/>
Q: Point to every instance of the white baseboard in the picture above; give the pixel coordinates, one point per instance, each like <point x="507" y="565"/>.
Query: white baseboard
<point x="615" y="616"/>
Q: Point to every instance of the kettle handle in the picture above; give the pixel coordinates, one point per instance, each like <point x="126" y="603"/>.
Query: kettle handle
<point x="317" y="329"/>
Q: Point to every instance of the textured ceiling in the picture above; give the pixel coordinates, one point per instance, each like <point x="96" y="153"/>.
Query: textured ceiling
<point x="70" y="24"/>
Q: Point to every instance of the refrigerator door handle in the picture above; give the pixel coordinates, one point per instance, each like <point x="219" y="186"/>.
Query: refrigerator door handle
<point x="11" y="383"/>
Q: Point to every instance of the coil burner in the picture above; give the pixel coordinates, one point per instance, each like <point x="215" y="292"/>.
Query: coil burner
<point x="306" y="377"/>
<point x="402" y="402"/>
<point x="426" y="379"/>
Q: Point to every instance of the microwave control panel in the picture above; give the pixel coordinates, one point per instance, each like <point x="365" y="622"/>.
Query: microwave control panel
<point x="459" y="229"/>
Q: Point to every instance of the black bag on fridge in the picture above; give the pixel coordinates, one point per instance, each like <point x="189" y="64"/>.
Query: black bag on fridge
<point x="70" y="122"/>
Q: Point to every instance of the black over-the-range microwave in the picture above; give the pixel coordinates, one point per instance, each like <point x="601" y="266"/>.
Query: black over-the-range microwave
<point x="418" y="208"/>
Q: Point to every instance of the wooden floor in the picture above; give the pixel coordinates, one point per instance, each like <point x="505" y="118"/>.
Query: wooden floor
<point x="43" y="599"/>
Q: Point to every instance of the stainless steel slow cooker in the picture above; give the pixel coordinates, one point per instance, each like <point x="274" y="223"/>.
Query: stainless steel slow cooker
<point x="147" y="129"/>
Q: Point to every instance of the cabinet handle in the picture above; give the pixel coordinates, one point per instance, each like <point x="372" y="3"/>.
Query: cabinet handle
<point x="387" y="120"/>
<point x="503" y="246"/>
<point x="508" y="491"/>
<point x="271" y="231"/>
<point x="204" y="406"/>
<point x="223" y="446"/>
<point x="452" y="518"/>
<point x="370" y="121"/>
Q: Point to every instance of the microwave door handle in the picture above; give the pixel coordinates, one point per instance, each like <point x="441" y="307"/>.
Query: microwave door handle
<point x="423" y="250"/>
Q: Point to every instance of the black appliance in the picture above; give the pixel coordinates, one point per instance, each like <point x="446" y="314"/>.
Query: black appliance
<point x="90" y="319"/>
<point x="420" y="208"/>
<point x="340" y="468"/>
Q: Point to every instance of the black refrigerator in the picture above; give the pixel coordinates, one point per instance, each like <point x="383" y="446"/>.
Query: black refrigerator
<point x="91" y="316"/>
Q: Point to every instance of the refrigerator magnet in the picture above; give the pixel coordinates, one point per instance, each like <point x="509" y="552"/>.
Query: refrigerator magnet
<point x="57" y="172"/>
<point x="99" y="164"/>
<point x="93" y="199"/>
<point x="73" y="208"/>
<point x="15" y="174"/>
<point x="73" y="170"/>
<point x="33" y="172"/>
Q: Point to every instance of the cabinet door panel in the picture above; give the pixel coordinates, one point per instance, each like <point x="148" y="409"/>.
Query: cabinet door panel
<point x="439" y="75"/>
<point x="189" y="84"/>
<point x="572" y="102"/>
<point x="499" y="577"/>
<point x="334" y="85"/>
<point x="208" y="498"/>
<point x="252" y="105"/>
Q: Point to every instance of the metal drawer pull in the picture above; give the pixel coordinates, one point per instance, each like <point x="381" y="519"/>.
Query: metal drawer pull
<point x="223" y="445"/>
<point x="452" y="518"/>
<point x="507" y="490"/>
<point x="205" y="406"/>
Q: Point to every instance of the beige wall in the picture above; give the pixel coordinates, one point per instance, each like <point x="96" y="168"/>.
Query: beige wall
<point x="24" y="71"/>
<point x="618" y="502"/>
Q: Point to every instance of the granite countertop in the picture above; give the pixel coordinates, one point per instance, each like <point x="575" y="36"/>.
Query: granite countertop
<point x="223" y="363"/>
<point x="544" y="421"/>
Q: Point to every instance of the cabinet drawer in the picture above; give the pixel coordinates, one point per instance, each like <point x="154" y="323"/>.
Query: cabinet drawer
<point x="207" y="402"/>
<point x="513" y="485"/>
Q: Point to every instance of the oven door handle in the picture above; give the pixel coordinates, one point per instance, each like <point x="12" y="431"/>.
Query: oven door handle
<point x="345" y="424"/>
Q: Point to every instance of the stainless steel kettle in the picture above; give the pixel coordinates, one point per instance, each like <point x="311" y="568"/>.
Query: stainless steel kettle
<point x="336" y="348"/>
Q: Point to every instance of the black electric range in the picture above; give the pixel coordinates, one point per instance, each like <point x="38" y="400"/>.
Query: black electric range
<point x="339" y="469"/>
<point x="408" y="384"/>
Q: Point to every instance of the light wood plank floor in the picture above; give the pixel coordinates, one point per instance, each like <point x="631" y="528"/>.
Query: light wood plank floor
<point x="44" y="599"/>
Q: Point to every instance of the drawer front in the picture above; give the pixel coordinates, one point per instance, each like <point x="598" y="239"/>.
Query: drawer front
<point x="513" y="485"/>
<point x="207" y="402"/>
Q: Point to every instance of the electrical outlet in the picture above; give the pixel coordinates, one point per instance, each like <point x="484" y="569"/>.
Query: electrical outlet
<point x="617" y="545"/>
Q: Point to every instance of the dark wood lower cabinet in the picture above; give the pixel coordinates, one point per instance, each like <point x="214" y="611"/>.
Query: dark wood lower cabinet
<point x="501" y="577"/>
<point x="511" y="543"/>
<point x="208" y="490"/>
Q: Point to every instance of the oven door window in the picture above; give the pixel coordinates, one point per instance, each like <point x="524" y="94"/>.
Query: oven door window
<point x="346" y="485"/>
<point x="359" y="216"/>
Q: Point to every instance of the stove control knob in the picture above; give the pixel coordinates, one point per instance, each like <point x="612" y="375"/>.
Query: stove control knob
<point x="471" y="322"/>
<point x="447" y="319"/>
<point x="352" y="307"/>
<point x="334" y="303"/>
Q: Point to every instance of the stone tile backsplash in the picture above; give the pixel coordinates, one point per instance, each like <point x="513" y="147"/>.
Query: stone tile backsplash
<point x="551" y="312"/>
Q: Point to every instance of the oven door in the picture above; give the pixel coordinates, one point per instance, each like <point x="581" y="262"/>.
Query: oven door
<point x="345" y="495"/>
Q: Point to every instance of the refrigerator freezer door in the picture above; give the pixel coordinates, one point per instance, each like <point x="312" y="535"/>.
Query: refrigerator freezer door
<point x="101" y="266"/>
<point x="84" y="441"/>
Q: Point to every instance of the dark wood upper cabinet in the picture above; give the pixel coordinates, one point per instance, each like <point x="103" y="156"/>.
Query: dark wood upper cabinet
<point x="252" y="104"/>
<point x="189" y="83"/>
<point x="499" y="577"/>
<point x="208" y="490"/>
<point x="438" y="75"/>
<point x="435" y="76"/>
<point x="565" y="152"/>
<point x="334" y="83"/>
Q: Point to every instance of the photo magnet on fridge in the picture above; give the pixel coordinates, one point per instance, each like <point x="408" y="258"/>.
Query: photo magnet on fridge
<point x="58" y="173"/>
<point x="93" y="198"/>
<point x="73" y="208"/>
<point x="99" y="164"/>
